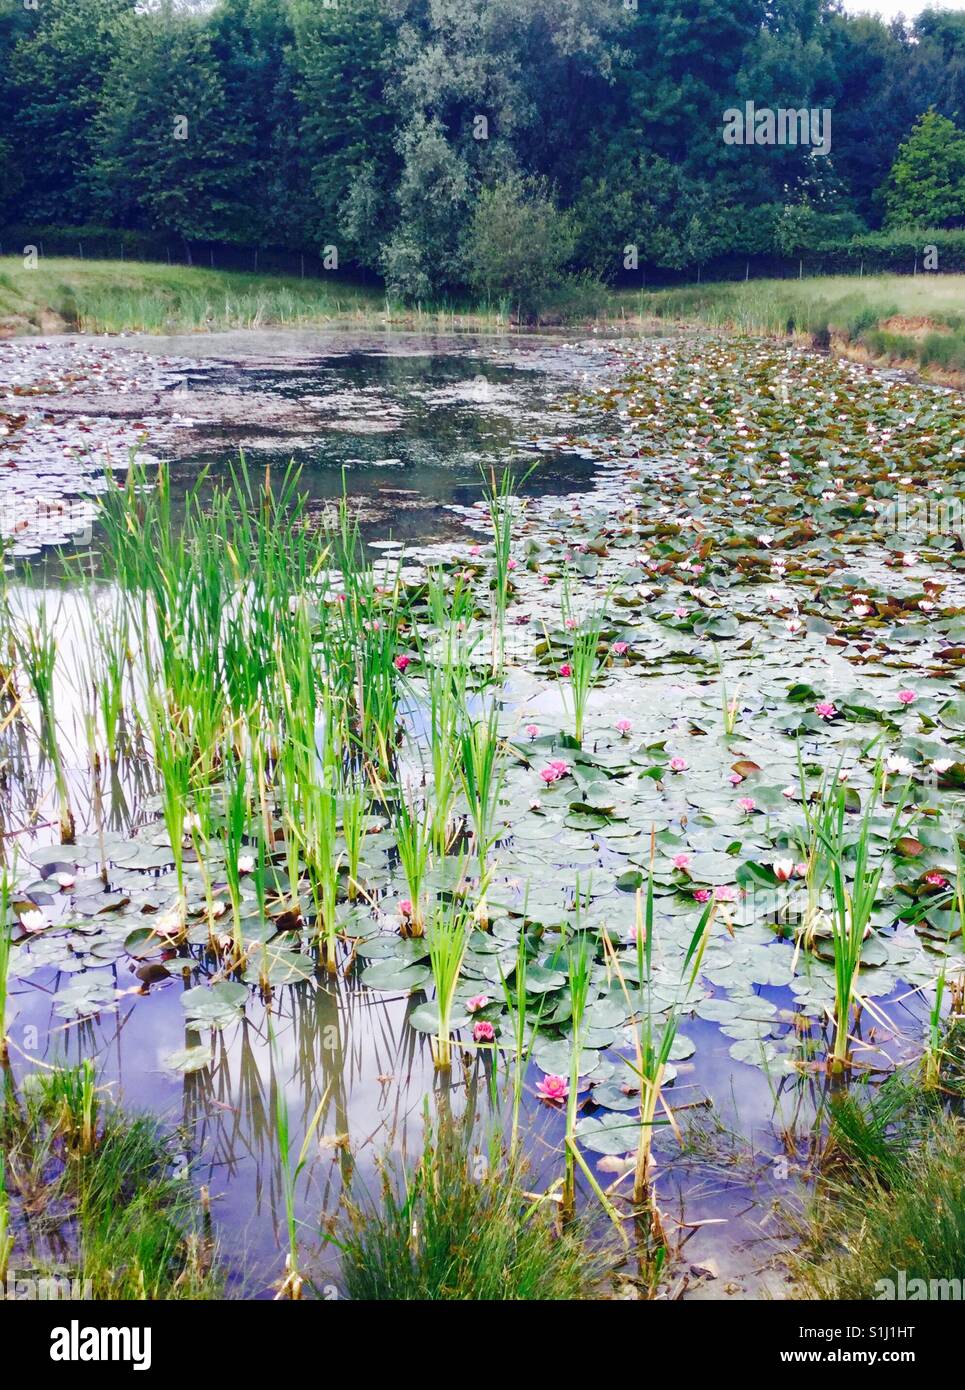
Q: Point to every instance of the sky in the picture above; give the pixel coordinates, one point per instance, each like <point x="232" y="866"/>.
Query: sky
<point x="889" y="8"/>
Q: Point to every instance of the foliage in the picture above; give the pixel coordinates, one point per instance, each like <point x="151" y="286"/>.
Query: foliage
<point x="459" y="1227"/>
<point x="926" y="186"/>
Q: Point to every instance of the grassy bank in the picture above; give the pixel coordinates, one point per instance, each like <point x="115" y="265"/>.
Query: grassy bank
<point x="131" y="296"/>
<point x="915" y="321"/>
<point x="910" y="320"/>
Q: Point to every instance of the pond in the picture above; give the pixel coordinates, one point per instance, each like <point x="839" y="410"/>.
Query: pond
<point x="708" y="625"/>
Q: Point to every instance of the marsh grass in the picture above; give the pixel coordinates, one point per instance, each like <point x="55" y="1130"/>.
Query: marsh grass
<point x="102" y="1191"/>
<point x="460" y="1226"/>
<point x="894" y="1205"/>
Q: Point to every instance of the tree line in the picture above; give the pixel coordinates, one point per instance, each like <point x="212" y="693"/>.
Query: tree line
<point x="441" y="144"/>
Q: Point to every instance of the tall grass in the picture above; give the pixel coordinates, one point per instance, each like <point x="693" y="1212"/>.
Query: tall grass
<point x="462" y="1227"/>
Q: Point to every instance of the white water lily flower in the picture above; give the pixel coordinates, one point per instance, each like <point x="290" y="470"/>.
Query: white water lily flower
<point x="33" y="920"/>
<point x="246" y="862"/>
<point x="783" y="869"/>
<point x="63" y="880"/>
<point x="941" y="765"/>
<point x="902" y="766"/>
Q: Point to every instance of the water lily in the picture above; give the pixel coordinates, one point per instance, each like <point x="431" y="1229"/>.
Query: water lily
<point x="941" y="765"/>
<point x="401" y="662"/>
<point x="246" y="862"/>
<point x="902" y="766"/>
<point x="532" y="730"/>
<point x="783" y="869"/>
<point x="623" y="727"/>
<point x="477" y="1002"/>
<point x="620" y="648"/>
<point x="405" y="907"/>
<point x="566" y="669"/>
<point x="702" y="895"/>
<point x="826" y="709"/>
<point x="63" y="880"/>
<point x="553" y="1088"/>
<point x="793" y="625"/>
<point x="936" y="880"/>
<point x="483" y="1032"/>
<point x="678" y="764"/>
<point x="747" y="803"/>
<point x="724" y="893"/>
<point x="906" y="697"/>
<point x="680" y="861"/>
<point x="33" y="919"/>
<point x="734" y="778"/>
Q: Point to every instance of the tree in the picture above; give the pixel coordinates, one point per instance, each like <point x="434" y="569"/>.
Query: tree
<point x="57" y="71"/>
<point x="424" y="253"/>
<point x="926" y="186"/>
<point x="518" y="243"/>
<point x="347" y="128"/>
<point x="169" y="152"/>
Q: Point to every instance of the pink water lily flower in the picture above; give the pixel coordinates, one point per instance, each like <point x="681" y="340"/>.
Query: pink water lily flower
<point x="825" y="709"/>
<point x="483" y="1032"/>
<point x="532" y="730"/>
<point x="512" y="564"/>
<point x="681" y="861"/>
<point x="477" y="1002"/>
<point x="734" y="778"/>
<point x="405" y="907"/>
<point x="554" y="771"/>
<point x="401" y="662"/>
<point x="554" y="1089"/>
<point x="747" y="803"/>
<point x="566" y="669"/>
<point x="702" y="895"/>
<point x="936" y="880"/>
<point x="783" y="869"/>
<point x="620" y="648"/>
<point x="623" y="727"/>
<point x="906" y="697"/>
<point x="724" y="893"/>
<point x="678" y="764"/>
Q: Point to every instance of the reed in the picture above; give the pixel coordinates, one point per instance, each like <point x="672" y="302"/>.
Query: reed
<point x="37" y="652"/>
<point x="481" y="769"/>
<point x="6" y="948"/>
<point x="448" y="937"/>
<point x="413" y="825"/>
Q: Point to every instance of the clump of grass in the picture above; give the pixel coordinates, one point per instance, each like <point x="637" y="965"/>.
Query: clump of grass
<point x="460" y="1226"/>
<point x="905" y="1213"/>
<point x="102" y="1192"/>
